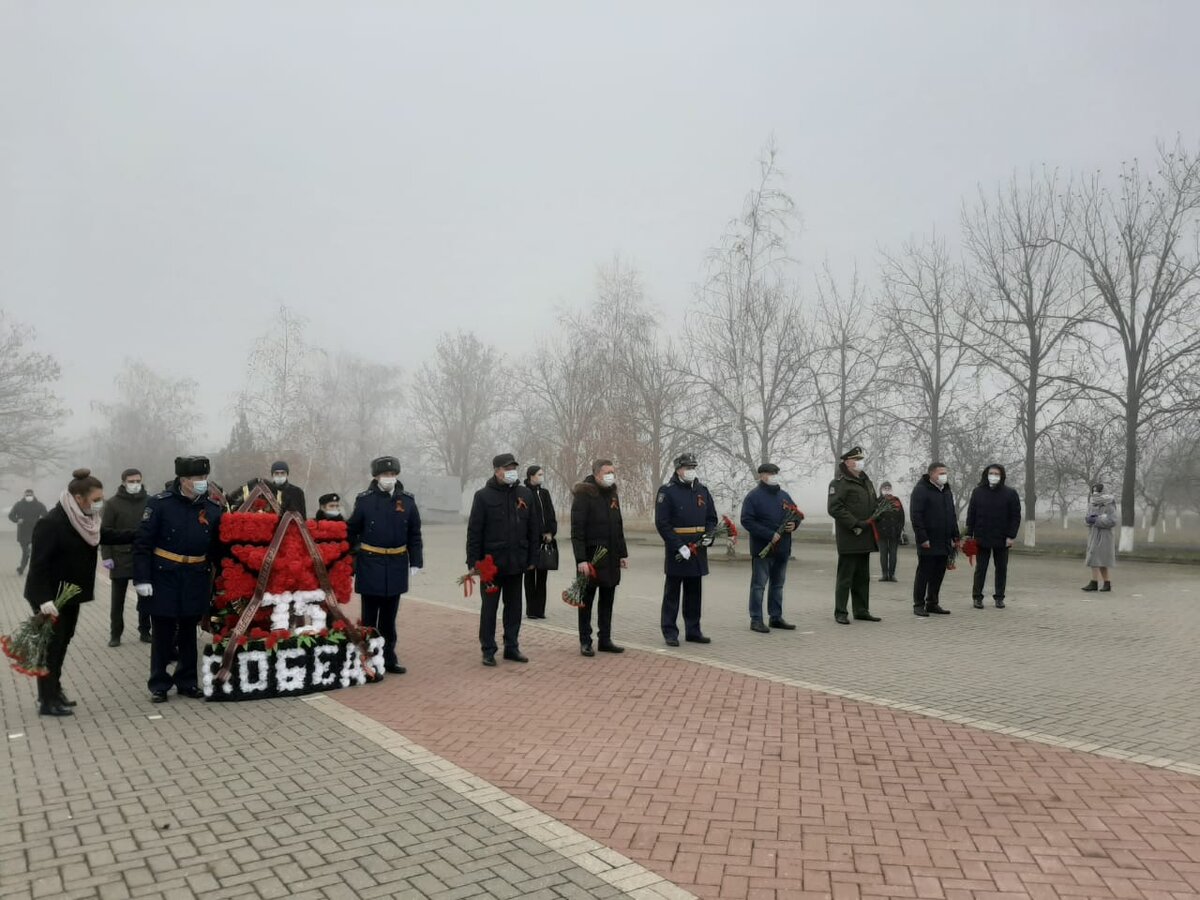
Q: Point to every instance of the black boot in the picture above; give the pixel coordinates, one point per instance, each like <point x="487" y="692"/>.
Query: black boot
<point x="1091" y="586"/>
<point x="1106" y="587"/>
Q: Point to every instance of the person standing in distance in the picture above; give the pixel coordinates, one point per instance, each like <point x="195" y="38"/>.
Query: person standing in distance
<point x="503" y="525"/>
<point x="543" y="507"/>
<point x="683" y="513"/>
<point x="385" y="530"/>
<point x="763" y="511"/>
<point x="124" y="511"/>
<point x="25" y="513"/>
<point x="993" y="519"/>
<point x="329" y="508"/>
<point x="1101" y="547"/>
<point x="890" y="526"/>
<point x="851" y="503"/>
<point x="596" y="522"/>
<point x="935" y="526"/>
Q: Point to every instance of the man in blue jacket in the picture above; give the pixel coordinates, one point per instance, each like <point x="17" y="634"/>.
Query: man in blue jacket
<point x="683" y="513"/>
<point x="763" y="512"/>
<point x="174" y="556"/>
<point x="385" y="530"/>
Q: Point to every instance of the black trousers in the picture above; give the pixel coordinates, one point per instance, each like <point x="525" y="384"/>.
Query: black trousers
<point x="853" y="583"/>
<point x="1000" y="554"/>
<point x="888" y="547"/>
<point x="510" y="593"/>
<point x="927" y="587"/>
<point x="50" y="685"/>
<point x="172" y="636"/>
<point x="26" y="546"/>
<point x="604" y="611"/>
<point x="535" y="593"/>
<point x="116" y="616"/>
<point x="380" y="613"/>
<point x="689" y="586"/>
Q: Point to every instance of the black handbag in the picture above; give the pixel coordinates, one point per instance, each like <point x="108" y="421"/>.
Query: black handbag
<point x="548" y="556"/>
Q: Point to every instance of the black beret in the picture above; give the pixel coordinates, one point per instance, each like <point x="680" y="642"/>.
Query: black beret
<point x="280" y="466"/>
<point x="853" y="453"/>
<point x="384" y="464"/>
<point x="503" y="460"/>
<point x="768" y="469"/>
<point x="191" y="466"/>
<point x="329" y="498"/>
<point x="686" y="460"/>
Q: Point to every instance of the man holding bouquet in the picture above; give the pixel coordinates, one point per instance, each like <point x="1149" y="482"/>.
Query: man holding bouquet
<point x="684" y="513"/>
<point x="770" y="516"/>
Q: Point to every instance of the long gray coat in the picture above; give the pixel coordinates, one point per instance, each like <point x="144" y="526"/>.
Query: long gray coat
<point x="1101" y="520"/>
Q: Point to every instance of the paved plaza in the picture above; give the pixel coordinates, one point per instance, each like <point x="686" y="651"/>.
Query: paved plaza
<point x="1051" y="749"/>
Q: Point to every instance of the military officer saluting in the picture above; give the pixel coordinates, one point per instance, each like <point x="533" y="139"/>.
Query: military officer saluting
<point x="683" y="513"/>
<point x="174" y="555"/>
<point x="852" y="502"/>
<point x="385" y="528"/>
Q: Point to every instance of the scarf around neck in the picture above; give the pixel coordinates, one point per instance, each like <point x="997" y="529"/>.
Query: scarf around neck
<point x="87" y="526"/>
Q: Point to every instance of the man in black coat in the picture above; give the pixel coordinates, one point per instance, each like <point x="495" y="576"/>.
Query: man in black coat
<point x="935" y="525"/>
<point x="25" y="514"/>
<point x="596" y="522"/>
<point x="543" y="507"/>
<point x="503" y="525"/>
<point x="289" y="496"/>
<point x="124" y="511"/>
<point x="993" y="519"/>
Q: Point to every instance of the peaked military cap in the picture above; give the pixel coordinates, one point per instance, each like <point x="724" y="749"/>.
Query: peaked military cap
<point x="854" y="453"/>
<point x="686" y="461"/>
<point x="191" y="466"/>
<point x="384" y="464"/>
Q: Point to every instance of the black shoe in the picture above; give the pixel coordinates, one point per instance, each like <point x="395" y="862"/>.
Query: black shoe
<point x="885" y="578"/>
<point x="978" y="603"/>
<point x="699" y="639"/>
<point x="54" y="709"/>
<point x="999" y="603"/>
<point x="193" y="693"/>
<point x="672" y="642"/>
<point x="938" y="610"/>
<point x="1090" y="586"/>
<point x="114" y="642"/>
<point x="782" y="624"/>
<point x="759" y="627"/>
<point x="515" y="656"/>
<point x="158" y="697"/>
<point x="489" y="659"/>
<point x="63" y="701"/>
<point x="394" y="669"/>
<point x="841" y="618"/>
<point x="920" y="611"/>
<point x="586" y="650"/>
<point x="1107" y="586"/>
<point x="144" y="637"/>
<point x="610" y="647"/>
<point x="868" y="618"/>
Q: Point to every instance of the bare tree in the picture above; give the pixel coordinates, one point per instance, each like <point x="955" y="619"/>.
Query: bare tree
<point x="241" y="458"/>
<point x="746" y="340"/>
<point x="278" y="385"/>
<point x="1166" y="458"/>
<point x="1025" y="323"/>
<point x="147" y="422"/>
<point x="1084" y="448"/>
<point x="29" y="408"/>
<point x="1138" y="248"/>
<point x="924" y="319"/>
<point x="456" y="398"/>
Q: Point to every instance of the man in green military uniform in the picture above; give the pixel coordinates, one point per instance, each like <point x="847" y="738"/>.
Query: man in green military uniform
<point x="852" y="503"/>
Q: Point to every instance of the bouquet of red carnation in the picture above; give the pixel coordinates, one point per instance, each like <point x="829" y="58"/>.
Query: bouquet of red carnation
<point x="573" y="596"/>
<point x="485" y="570"/>
<point x="970" y="549"/>
<point x="28" y="646"/>
<point x="725" y="529"/>
<point x="791" y="516"/>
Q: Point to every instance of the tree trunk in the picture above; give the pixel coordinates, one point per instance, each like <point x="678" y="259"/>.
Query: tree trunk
<point x="1150" y="535"/>
<point x="1031" y="532"/>
<point x="1129" y="481"/>
<point x="1031" y="461"/>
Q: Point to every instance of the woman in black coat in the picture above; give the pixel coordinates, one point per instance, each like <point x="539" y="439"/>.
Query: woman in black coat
<point x="993" y="519"/>
<point x="543" y="509"/>
<point x="65" y="545"/>
<point x="596" y="522"/>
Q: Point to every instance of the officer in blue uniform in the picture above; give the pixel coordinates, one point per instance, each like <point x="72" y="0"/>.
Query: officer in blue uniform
<point x="174" y="558"/>
<point x="683" y="513"/>
<point x="385" y="529"/>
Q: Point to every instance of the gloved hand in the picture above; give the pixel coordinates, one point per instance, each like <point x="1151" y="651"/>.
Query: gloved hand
<point x="685" y="552"/>
<point x="49" y="609"/>
<point x="109" y="564"/>
<point x="144" y="590"/>
<point x="414" y="571"/>
<point x="583" y="568"/>
<point x="706" y="541"/>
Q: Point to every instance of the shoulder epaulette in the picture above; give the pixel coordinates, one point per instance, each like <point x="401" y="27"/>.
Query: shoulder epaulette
<point x="163" y="496"/>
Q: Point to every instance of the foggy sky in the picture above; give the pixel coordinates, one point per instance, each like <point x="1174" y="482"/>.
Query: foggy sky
<point x="171" y="172"/>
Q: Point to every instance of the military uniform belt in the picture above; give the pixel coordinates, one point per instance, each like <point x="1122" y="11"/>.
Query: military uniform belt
<point x="179" y="557"/>
<point x="691" y="529"/>
<point x="383" y="551"/>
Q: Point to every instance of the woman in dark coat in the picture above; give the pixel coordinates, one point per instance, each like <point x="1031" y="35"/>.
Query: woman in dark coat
<point x="543" y="509"/>
<point x="993" y="519"/>
<point x="65" y="545"/>
<point x="596" y="522"/>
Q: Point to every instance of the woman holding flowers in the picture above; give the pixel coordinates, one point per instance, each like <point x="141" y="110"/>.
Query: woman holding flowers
<point x="65" y="545"/>
<point x="596" y="525"/>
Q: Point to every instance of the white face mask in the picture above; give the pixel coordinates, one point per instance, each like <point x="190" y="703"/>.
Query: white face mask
<point x="857" y="465"/>
<point x="279" y="479"/>
<point x="97" y="508"/>
<point x="943" y="478"/>
<point x="773" y="480"/>
<point x="536" y="480"/>
<point x="887" y="492"/>
<point x="608" y="479"/>
<point x="133" y="487"/>
<point x="511" y="476"/>
<point x="688" y="475"/>
<point x="386" y="483"/>
<point x="333" y="513"/>
<point x="993" y="479"/>
<point x="29" y="496"/>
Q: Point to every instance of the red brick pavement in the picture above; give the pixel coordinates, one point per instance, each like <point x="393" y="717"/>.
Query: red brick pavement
<point x="734" y="787"/>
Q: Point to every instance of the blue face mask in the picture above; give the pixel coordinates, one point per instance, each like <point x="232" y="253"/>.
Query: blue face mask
<point x="200" y="487"/>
